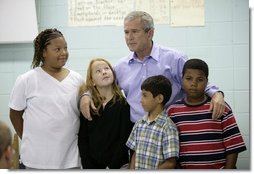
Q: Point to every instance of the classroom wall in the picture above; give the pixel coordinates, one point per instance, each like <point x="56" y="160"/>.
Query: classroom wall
<point x="223" y="43"/>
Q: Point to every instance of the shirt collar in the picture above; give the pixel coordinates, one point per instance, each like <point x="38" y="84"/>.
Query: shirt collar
<point x="160" y="119"/>
<point x="154" y="54"/>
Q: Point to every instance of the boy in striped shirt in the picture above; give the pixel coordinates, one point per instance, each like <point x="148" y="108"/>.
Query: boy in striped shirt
<point x="205" y="143"/>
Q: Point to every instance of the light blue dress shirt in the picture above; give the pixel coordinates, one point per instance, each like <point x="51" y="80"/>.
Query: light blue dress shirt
<point x="131" y="72"/>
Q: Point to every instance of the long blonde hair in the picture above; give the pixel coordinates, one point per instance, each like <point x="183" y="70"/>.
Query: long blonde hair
<point x="89" y="86"/>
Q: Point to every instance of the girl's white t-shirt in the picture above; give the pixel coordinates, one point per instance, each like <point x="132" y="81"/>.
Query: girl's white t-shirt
<point x="51" y="119"/>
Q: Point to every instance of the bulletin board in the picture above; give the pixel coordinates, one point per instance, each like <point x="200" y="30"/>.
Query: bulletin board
<point x="112" y="12"/>
<point x="177" y="13"/>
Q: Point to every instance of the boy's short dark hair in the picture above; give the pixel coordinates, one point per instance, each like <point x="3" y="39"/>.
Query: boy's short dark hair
<point x="158" y="85"/>
<point x="196" y="64"/>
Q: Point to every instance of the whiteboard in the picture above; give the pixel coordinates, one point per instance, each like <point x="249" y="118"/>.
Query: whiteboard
<point x="18" y="21"/>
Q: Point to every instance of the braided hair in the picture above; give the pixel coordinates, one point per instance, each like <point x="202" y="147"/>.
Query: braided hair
<point x="41" y="42"/>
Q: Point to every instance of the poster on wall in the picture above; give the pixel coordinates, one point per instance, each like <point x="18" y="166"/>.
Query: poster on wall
<point x="99" y="12"/>
<point x="158" y="9"/>
<point x="187" y="13"/>
<point x="112" y="12"/>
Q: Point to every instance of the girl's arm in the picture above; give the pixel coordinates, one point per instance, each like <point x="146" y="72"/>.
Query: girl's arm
<point x="17" y="121"/>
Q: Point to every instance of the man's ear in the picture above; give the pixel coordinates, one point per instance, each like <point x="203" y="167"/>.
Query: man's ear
<point x="150" y="33"/>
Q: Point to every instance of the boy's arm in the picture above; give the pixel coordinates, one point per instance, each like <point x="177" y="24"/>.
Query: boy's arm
<point x="168" y="164"/>
<point x="132" y="163"/>
<point x="231" y="161"/>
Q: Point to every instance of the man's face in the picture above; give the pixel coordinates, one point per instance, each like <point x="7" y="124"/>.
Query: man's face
<point x="137" y="39"/>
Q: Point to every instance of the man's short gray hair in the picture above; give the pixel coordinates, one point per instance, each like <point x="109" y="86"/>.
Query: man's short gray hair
<point x="146" y="19"/>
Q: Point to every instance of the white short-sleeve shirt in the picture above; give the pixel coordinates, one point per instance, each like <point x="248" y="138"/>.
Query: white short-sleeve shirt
<point x="51" y="119"/>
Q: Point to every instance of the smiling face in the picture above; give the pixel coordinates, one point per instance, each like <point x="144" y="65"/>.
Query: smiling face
<point x="55" y="54"/>
<point x="102" y="74"/>
<point x="194" y="84"/>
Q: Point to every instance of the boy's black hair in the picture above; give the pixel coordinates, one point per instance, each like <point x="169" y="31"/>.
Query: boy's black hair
<point x="158" y="85"/>
<point x="196" y="64"/>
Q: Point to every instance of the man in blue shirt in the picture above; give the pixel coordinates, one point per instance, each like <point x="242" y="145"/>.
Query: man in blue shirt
<point x="148" y="59"/>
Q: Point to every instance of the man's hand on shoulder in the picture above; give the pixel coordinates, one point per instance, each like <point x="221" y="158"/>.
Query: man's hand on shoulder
<point x="85" y="103"/>
<point x="217" y="105"/>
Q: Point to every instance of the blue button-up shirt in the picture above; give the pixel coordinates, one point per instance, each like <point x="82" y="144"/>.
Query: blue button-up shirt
<point x="131" y="72"/>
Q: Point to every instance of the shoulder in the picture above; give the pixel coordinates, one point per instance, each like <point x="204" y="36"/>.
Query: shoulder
<point x="27" y="80"/>
<point x="176" y="104"/>
<point x="74" y="73"/>
<point x="121" y="104"/>
<point x="175" y="108"/>
<point x="169" y="126"/>
<point x="165" y="121"/>
<point x="124" y="61"/>
<point x="227" y="111"/>
<point x="170" y="51"/>
<point x="28" y="75"/>
<point x="139" y="122"/>
<point x="76" y="76"/>
<point x="227" y="107"/>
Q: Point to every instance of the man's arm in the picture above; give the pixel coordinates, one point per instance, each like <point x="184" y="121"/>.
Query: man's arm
<point x="85" y="103"/>
<point x="17" y="121"/>
<point x="217" y="105"/>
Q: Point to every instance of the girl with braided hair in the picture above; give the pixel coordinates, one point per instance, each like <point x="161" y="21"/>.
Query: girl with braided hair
<point x="43" y="106"/>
